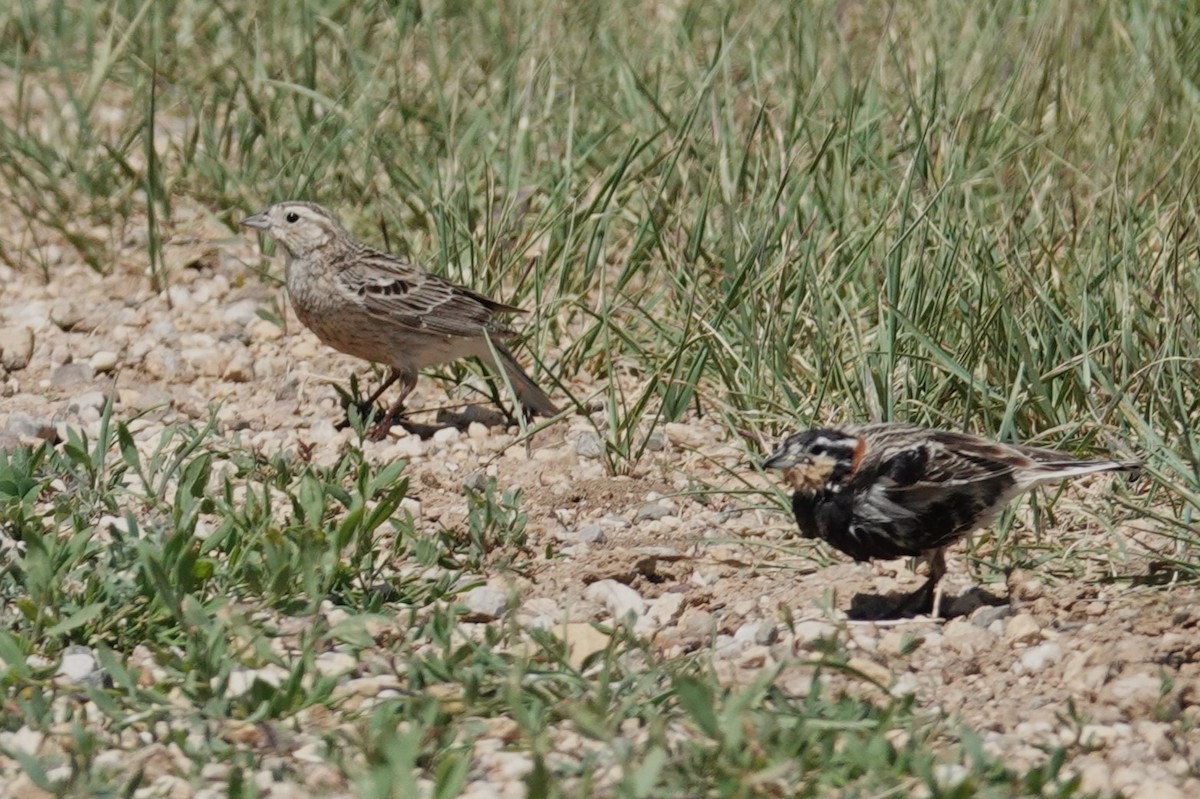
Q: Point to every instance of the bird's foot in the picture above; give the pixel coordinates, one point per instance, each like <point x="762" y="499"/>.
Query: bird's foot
<point x="918" y="603"/>
<point x="364" y="409"/>
<point x="376" y="419"/>
<point x="379" y="431"/>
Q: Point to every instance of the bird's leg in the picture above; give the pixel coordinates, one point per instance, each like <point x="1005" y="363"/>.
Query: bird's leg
<point x="392" y="377"/>
<point x="927" y="598"/>
<point x="379" y="430"/>
<point x="365" y="407"/>
<point x="937" y="570"/>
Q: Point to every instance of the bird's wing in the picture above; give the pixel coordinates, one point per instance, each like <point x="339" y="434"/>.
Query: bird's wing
<point x="928" y="488"/>
<point x="913" y="458"/>
<point x="393" y="290"/>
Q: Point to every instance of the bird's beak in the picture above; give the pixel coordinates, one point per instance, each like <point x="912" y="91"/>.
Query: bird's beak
<point x="780" y="459"/>
<point x="258" y="221"/>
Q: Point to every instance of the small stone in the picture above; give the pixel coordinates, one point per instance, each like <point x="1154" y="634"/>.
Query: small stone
<point x="485" y="603"/>
<point x="240" y="368"/>
<point x="1023" y="628"/>
<point x="762" y="633"/>
<point x="478" y="789"/>
<point x="502" y="728"/>
<point x="965" y="637"/>
<point x="23" y="787"/>
<point x="103" y="361"/>
<point x="409" y="447"/>
<point x="590" y="534"/>
<point x="24" y="740"/>
<point x="179" y="296"/>
<point x="335" y="664"/>
<point x="1157" y="736"/>
<point x="905" y="684"/>
<point x="1137" y="693"/>
<point x="872" y="670"/>
<point x="589" y="445"/>
<point x="812" y="631"/>
<point x="78" y="666"/>
<point x="477" y="431"/>
<point x="1034" y="659"/>
<point x="949" y="776"/>
<point x="656" y="442"/>
<point x="144" y="399"/>
<point x="476" y="481"/>
<point x="509" y="767"/>
<point x="66" y="314"/>
<point x="24" y="425"/>
<point x="95" y="400"/>
<point x="990" y="613"/>
<point x="697" y="623"/>
<point x="1095" y="776"/>
<point x="754" y="656"/>
<point x="16" y="347"/>
<point x="898" y="643"/>
<point x="618" y="598"/>
<point x="1028" y="589"/>
<point x="240" y="313"/>
<point x="58" y="774"/>
<point x="263" y="330"/>
<point x="307" y="753"/>
<point x="215" y="771"/>
<point x="109" y="760"/>
<point x="242" y="680"/>
<point x="661" y="612"/>
<point x="652" y="511"/>
<point x="865" y="637"/>
<point x="446" y="435"/>
<point x="1156" y="789"/>
<point x="1097" y="735"/>
<point x="726" y="648"/>
<point x="583" y="640"/>
<point x="1091" y="679"/>
<point x="70" y="374"/>
<point x="207" y="360"/>
<point x="163" y="330"/>
<point x="685" y="435"/>
<point x="325" y="780"/>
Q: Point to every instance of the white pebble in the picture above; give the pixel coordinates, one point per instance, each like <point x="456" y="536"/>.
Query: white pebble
<point x="446" y="435"/>
<point x="103" y="361"/>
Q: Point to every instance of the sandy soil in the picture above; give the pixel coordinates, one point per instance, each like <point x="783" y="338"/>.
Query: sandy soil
<point x="1090" y="658"/>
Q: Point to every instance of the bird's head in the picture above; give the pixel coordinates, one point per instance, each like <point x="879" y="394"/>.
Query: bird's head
<point x="300" y="228"/>
<point x="818" y="460"/>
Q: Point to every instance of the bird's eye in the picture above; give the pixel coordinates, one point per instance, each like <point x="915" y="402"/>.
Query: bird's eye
<point x="292" y="217"/>
<point x="818" y="449"/>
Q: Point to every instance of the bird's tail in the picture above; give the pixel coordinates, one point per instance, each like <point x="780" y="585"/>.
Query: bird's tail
<point x="1053" y="471"/>
<point x="528" y="392"/>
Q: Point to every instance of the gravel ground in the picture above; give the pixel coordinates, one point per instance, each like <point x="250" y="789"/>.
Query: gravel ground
<point x="1031" y="662"/>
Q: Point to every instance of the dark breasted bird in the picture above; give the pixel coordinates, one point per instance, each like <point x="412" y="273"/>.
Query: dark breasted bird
<point x="891" y="490"/>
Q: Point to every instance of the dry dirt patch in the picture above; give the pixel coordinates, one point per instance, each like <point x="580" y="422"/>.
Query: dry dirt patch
<point x="1104" y="668"/>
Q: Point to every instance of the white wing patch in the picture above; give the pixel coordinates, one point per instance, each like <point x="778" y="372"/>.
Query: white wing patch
<point x="876" y="506"/>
